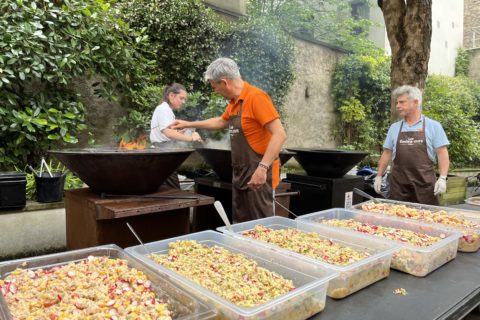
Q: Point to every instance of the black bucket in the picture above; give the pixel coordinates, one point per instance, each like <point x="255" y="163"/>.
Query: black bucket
<point x="50" y="189"/>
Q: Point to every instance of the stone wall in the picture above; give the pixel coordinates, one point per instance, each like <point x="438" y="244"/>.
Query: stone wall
<point x="101" y="114"/>
<point x="474" y="69"/>
<point x="228" y="9"/>
<point x="471" y="20"/>
<point x="309" y="108"/>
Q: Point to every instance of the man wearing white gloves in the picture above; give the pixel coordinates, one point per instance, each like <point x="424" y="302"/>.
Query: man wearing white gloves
<point x="414" y="144"/>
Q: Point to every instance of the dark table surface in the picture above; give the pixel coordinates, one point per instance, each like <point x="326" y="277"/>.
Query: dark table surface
<point x="449" y="292"/>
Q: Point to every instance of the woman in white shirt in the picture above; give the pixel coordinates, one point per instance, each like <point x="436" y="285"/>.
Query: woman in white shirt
<point x="174" y="97"/>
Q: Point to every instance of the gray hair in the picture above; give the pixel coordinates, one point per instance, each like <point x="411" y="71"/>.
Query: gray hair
<point x="222" y="68"/>
<point x="412" y="92"/>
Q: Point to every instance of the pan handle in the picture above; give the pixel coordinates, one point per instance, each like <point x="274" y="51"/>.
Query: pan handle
<point x="284" y="194"/>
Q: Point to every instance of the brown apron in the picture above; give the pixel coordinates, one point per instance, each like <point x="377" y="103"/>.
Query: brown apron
<point x="246" y="203"/>
<point x="413" y="174"/>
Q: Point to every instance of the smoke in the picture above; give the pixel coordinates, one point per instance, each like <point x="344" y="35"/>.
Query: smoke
<point x="223" y="144"/>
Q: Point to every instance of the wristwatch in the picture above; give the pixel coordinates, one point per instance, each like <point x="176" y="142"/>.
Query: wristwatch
<point x="263" y="165"/>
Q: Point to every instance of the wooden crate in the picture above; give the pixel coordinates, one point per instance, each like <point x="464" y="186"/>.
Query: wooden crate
<point x="456" y="191"/>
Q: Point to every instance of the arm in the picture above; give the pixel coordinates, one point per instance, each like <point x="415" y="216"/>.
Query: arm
<point x="384" y="161"/>
<point x="211" y="124"/>
<point x="177" y="135"/>
<point x="443" y="160"/>
<point x="277" y="140"/>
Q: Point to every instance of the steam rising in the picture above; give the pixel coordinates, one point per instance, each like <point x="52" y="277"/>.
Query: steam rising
<point x="223" y="144"/>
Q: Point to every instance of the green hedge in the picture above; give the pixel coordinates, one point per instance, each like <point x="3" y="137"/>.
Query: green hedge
<point x="44" y="46"/>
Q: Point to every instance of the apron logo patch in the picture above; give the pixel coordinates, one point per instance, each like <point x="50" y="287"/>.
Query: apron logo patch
<point x="233" y="130"/>
<point x="410" y="141"/>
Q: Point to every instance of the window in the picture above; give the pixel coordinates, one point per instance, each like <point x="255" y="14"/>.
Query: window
<point x="360" y="10"/>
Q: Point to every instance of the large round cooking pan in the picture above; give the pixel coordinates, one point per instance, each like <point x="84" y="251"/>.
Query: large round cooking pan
<point x="221" y="160"/>
<point x="122" y="171"/>
<point x="328" y="163"/>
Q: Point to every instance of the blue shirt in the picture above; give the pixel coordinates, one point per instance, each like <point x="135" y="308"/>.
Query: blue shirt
<point x="434" y="134"/>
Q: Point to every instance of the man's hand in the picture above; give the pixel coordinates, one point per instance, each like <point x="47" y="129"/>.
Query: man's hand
<point x="179" y="125"/>
<point x="440" y="186"/>
<point x="377" y="184"/>
<point x="258" y="179"/>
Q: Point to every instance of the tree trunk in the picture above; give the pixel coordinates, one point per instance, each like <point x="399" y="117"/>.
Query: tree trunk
<point x="409" y="30"/>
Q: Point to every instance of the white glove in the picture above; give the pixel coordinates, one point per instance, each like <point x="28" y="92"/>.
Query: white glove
<point x="440" y="186"/>
<point x="377" y="184"/>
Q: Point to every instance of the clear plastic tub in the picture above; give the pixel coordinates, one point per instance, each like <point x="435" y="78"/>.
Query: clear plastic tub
<point x="183" y="305"/>
<point x="417" y="261"/>
<point x="470" y="237"/>
<point x="352" y="277"/>
<point x="310" y="280"/>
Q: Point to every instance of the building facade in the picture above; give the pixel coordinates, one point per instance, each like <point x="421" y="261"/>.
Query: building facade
<point x="447" y="33"/>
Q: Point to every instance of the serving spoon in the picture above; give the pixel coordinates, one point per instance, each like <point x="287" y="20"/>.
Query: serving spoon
<point x="365" y="195"/>
<point x="221" y="212"/>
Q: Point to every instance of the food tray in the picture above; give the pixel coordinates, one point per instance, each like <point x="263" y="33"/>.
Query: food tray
<point x="183" y="305"/>
<point x="352" y="277"/>
<point x="474" y="201"/>
<point x="470" y="237"/>
<point x="311" y="281"/>
<point x="417" y="261"/>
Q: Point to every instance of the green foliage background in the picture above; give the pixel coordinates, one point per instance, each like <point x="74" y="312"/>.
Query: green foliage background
<point x="184" y="36"/>
<point x="455" y="103"/>
<point x="265" y="54"/>
<point x="330" y="21"/>
<point x="361" y="90"/>
<point x="44" y="46"/>
<point x="462" y="62"/>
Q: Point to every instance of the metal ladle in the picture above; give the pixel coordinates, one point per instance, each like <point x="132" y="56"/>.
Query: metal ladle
<point x="138" y="238"/>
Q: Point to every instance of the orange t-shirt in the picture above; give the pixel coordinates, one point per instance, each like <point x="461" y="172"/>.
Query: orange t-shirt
<point x="258" y="110"/>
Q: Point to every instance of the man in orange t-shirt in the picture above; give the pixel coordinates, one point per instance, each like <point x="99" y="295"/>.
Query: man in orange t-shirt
<point x="256" y="137"/>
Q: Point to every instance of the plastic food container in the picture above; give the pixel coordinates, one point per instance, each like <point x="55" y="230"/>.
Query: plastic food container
<point x="183" y="305"/>
<point x="417" y="261"/>
<point x="352" y="277"/>
<point x="470" y="237"/>
<point x="310" y="280"/>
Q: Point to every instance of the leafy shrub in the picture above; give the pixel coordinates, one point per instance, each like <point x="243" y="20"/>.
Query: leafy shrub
<point x="184" y="37"/>
<point x="44" y="46"/>
<point x="462" y="62"/>
<point x="330" y="21"/>
<point x="361" y="90"/>
<point x="455" y="102"/>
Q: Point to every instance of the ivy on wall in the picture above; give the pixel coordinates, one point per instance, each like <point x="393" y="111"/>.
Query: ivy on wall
<point x="462" y="62"/>
<point x="361" y="90"/>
